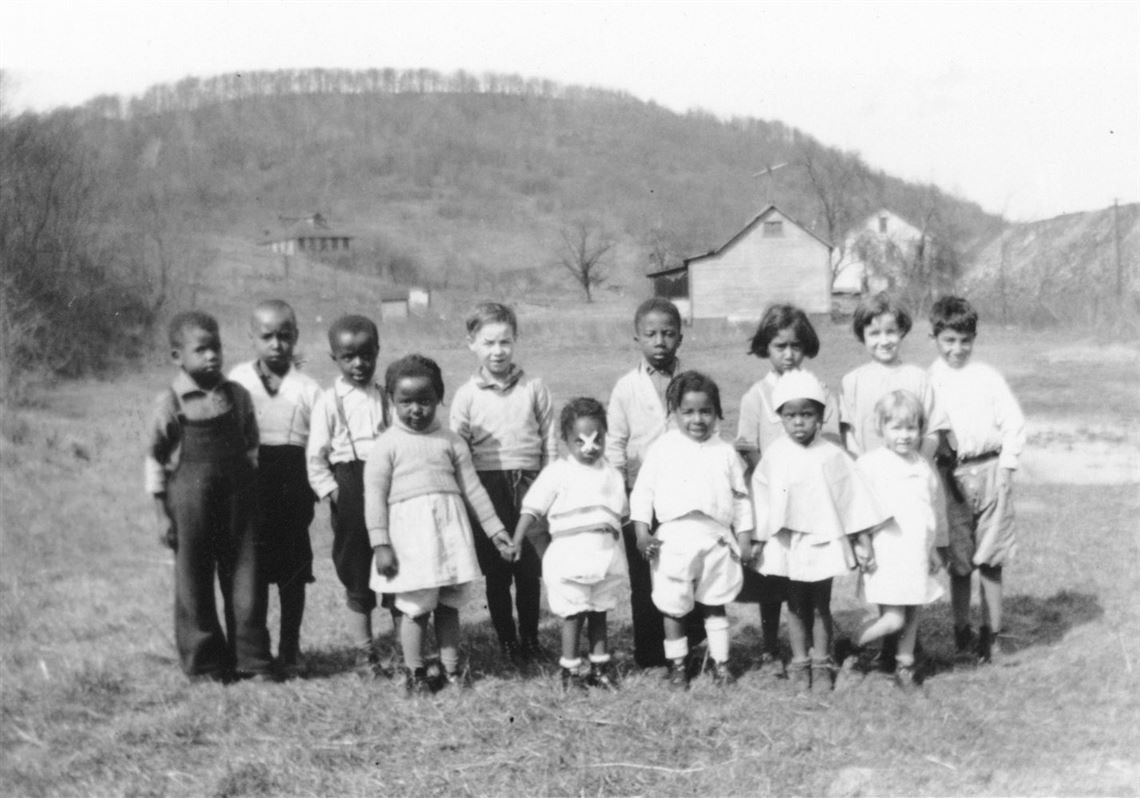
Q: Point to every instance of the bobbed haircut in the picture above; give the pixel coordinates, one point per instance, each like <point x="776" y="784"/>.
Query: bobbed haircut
<point x="581" y="407"/>
<point x="413" y="366"/>
<point x="492" y="313"/>
<point x="692" y="382"/>
<point x="660" y="305"/>
<point x="353" y="325"/>
<point x="279" y="306"/>
<point x="784" y="317"/>
<point x="189" y="320"/>
<point x="876" y="306"/>
<point x="954" y="313"/>
<point x="899" y="405"/>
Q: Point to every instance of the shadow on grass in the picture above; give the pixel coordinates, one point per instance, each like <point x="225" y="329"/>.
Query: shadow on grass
<point x="480" y="655"/>
<point x="1029" y="621"/>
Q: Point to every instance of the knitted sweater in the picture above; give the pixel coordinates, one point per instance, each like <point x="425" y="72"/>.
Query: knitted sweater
<point x="404" y="464"/>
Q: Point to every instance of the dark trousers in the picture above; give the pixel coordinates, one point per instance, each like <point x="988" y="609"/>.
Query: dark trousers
<point x="352" y="551"/>
<point x="506" y="489"/>
<point x="213" y="506"/>
<point x="648" y="623"/>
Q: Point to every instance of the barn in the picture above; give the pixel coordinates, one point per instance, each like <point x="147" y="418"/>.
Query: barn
<point x="773" y="259"/>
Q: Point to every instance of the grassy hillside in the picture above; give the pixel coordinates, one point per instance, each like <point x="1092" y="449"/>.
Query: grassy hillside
<point x="467" y="179"/>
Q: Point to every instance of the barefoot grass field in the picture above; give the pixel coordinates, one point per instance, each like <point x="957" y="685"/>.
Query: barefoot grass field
<point x="93" y="703"/>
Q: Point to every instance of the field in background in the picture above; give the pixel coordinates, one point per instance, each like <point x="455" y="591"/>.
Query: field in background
<point x="92" y="702"/>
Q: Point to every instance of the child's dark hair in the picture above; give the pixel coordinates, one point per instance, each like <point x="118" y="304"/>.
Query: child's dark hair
<point x="274" y="306"/>
<point x="581" y="407"/>
<point x="492" y="313"/>
<point x="413" y="366"/>
<point x="783" y="317"/>
<point x="692" y="382"/>
<point x="954" y="313"/>
<point x="189" y="320"/>
<point x="876" y="306"/>
<point x="353" y="325"/>
<point x="657" y="305"/>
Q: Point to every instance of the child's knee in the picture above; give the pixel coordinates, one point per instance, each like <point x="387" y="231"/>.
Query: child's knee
<point x="991" y="573"/>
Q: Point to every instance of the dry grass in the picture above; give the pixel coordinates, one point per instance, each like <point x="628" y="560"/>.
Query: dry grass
<point x="93" y="703"/>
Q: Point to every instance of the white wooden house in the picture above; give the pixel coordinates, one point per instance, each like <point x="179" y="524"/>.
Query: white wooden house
<point x="311" y="235"/>
<point x="772" y="259"/>
<point x="871" y="253"/>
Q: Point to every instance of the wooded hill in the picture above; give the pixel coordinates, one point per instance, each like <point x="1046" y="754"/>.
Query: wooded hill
<point x="453" y="179"/>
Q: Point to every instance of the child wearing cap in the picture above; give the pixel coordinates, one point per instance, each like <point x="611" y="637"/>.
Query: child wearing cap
<point x="811" y="505"/>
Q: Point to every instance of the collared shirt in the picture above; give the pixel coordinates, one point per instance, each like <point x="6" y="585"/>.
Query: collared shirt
<point x="760" y="425"/>
<point x="195" y="403"/>
<point x="636" y="417"/>
<point x="508" y="425"/>
<point x="330" y="441"/>
<point x="681" y="476"/>
<point x="984" y="414"/>
<point x="284" y="416"/>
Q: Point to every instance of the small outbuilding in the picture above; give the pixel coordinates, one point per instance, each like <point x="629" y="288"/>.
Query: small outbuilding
<point x="872" y="252"/>
<point x="399" y="303"/>
<point x="772" y="259"/>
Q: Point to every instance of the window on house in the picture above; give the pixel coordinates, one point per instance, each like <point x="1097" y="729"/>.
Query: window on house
<point x="882" y="224"/>
<point x="773" y="229"/>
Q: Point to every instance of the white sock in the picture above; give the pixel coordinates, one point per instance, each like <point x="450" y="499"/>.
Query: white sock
<point x="677" y="649"/>
<point x="716" y="627"/>
<point x="599" y="659"/>
<point x="570" y="664"/>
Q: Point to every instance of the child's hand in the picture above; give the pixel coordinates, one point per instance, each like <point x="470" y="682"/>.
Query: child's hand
<point x="944" y="556"/>
<point x="334" y="496"/>
<point x="864" y="555"/>
<point x="168" y="535"/>
<point x="510" y="552"/>
<point x="757" y="555"/>
<point x="1004" y="479"/>
<point x="386" y="563"/>
<point x="505" y="546"/>
<point x="935" y="562"/>
<point x="649" y="547"/>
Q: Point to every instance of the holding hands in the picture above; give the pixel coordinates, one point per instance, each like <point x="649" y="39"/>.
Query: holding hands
<point x="386" y="563"/>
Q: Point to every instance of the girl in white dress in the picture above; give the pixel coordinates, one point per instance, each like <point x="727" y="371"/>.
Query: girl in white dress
<point x="416" y="480"/>
<point x="810" y="504"/>
<point x="899" y="575"/>
<point x="583" y="499"/>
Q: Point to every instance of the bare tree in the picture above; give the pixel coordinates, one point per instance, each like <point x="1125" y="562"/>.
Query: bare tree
<point x="838" y="181"/>
<point x="584" y="245"/>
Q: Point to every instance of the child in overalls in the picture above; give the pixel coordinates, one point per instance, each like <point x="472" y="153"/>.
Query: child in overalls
<point x="200" y="468"/>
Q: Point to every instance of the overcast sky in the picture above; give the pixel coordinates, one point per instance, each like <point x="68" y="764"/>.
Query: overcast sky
<point x="1031" y="109"/>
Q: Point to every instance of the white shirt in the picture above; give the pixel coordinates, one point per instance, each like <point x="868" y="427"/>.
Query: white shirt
<point x="330" y="441"/>
<point x="283" y="419"/>
<point x="681" y="477"/>
<point x="984" y="415"/>
<point x="574" y="496"/>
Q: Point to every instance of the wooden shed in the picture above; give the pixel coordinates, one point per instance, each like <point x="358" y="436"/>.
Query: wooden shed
<point x="772" y="259"/>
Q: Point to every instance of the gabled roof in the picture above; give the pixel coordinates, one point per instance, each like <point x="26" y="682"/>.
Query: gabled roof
<point x="748" y="228"/>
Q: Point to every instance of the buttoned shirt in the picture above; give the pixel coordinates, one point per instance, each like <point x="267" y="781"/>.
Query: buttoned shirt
<point x="331" y="441"/>
<point x="284" y="416"/>
<point x="195" y="403"/>
<point x="574" y="496"/>
<point x="984" y="414"/>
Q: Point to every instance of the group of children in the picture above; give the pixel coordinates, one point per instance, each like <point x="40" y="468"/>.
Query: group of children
<point x="647" y="493"/>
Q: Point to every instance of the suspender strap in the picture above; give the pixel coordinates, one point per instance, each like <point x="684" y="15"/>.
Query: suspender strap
<point x="344" y="420"/>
